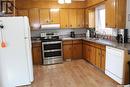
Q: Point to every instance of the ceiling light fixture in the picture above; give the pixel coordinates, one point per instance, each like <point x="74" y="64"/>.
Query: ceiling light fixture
<point x="64" y="1"/>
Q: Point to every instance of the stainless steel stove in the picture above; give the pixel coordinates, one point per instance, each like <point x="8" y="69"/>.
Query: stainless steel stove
<point x="52" y="49"/>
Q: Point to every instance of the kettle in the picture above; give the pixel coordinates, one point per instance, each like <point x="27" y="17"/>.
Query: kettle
<point x="72" y="34"/>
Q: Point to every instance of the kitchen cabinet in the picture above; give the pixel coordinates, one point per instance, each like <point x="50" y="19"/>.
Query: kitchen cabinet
<point x="34" y="18"/>
<point x="115" y="13"/>
<point x="49" y="16"/>
<point x="72" y="18"/>
<point x="98" y="58"/>
<point x="67" y="49"/>
<point x="103" y="59"/>
<point x="44" y="16"/>
<point x="90" y="18"/>
<point x="22" y="12"/>
<point x="72" y="49"/>
<point x="36" y="53"/>
<point x="54" y="16"/>
<point x="77" y="49"/>
<point x="64" y="18"/>
<point x="95" y="54"/>
<point x="92" y="55"/>
<point x="80" y="18"/>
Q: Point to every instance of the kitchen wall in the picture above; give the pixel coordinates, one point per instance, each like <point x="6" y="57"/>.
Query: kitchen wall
<point x="60" y="32"/>
<point x="128" y="20"/>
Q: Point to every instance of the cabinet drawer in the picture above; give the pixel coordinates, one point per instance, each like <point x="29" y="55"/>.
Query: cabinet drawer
<point x="38" y="44"/>
<point x="67" y="42"/>
<point x="77" y="41"/>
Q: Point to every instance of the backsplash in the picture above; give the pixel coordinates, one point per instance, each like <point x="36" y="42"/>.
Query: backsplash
<point x="60" y="32"/>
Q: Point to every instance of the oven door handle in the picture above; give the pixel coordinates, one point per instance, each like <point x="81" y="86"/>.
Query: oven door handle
<point x="56" y="42"/>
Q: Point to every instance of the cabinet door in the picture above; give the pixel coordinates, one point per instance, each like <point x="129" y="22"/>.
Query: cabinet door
<point x="103" y="59"/>
<point x="44" y="16"/>
<point x="34" y="18"/>
<point x="67" y="51"/>
<point x="98" y="57"/>
<point x="77" y="51"/>
<point x="110" y="13"/>
<point x="80" y="18"/>
<point x="64" y="16"/>
<point x="22" y="12"/>
<point x="84" y="51"/>
<point x="87" y="52"/>
<point x="86" y="18"/>
<point x="72" y="18"/>
<point x="91" y="18"/>
<point x="92" y="55"/>
<point x="54" y="16"/>
<point x="36" y="54"/>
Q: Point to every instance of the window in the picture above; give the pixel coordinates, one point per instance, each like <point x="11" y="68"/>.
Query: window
<point x="100" y="22"/>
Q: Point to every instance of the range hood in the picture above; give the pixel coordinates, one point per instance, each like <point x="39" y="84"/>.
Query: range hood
<point x="50" y="26"/>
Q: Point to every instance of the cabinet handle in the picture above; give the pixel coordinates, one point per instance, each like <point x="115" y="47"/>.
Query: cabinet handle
<point x="70" y="25"/>
<point x="65" y="25"/>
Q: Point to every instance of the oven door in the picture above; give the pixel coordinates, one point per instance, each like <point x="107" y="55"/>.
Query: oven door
<point x="52" y="54"/>
<point x="51" y="45"/>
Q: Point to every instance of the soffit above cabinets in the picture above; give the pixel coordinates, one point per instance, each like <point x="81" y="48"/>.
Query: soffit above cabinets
<point x="54" y="0"/>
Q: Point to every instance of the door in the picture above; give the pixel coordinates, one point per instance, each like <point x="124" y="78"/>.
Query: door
<point x="77" y="51"/>
<point x="98" y="57"/>
<point x="34" y="18"/>
<point x="54" y="16"/>
<point x="44" y="16"/>
<point x="67" y="51"/>
<point x="22" y="12"/>
<point x="72" y="18"/>
<point x="110" y="6"/>
<point x="64" y="16"/>
<point x="80" y="18"/>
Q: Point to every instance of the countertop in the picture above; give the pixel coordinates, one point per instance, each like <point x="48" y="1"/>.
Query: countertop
<point x="123" y="46"/>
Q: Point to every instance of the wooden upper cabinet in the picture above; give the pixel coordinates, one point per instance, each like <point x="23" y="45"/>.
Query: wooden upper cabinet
<point x="22" y="12"/>
<point x="115" y="13"/>
<point x="64" y="18"/>
<point x="86" y="19"/>
<point x="44" y="16"/>
<point x="91" y="18"/>
<point x="80" y="18"/>
<point x="54" y="16"/>
<point x="72" y="18"/>
<point x="110" y="13"/>
<point x="34" y="18"/>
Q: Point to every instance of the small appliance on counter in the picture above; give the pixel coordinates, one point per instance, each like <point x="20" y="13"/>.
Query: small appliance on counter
<point x="92" y="33"/>
<point x="72" y="34"/>
<point x="88" y="33"/>
<point x="122" y="36"/>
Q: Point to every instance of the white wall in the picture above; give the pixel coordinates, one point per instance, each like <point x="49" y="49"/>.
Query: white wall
<point x="128" y="12"/>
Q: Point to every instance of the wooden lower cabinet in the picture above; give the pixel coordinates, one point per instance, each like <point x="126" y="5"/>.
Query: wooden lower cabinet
<point x="67" y="51"/>
<point x="98" y="57"/>
<point x="95" y="54"/>
<point x="92" y="55"/>
<point x="36" y="53"/>
<point x="103" y="59"/>
<point x="77" y="51"/>
<point x="72" y="49"/>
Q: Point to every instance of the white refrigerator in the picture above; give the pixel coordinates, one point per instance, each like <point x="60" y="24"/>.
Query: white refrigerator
<point x="16" y="58"/>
